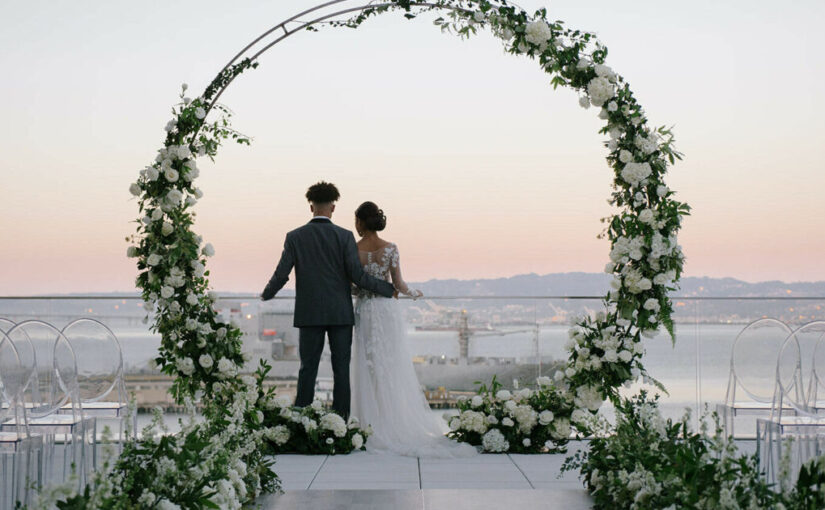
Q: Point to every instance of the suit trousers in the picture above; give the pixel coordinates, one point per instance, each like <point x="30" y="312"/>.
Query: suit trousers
<point x="311" y="346"/>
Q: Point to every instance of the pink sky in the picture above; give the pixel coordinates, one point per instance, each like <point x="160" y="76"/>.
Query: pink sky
<point x="483" y="170"/>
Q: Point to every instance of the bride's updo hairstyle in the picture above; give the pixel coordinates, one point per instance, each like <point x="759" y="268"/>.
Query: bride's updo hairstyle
<point x="371" y="216"/>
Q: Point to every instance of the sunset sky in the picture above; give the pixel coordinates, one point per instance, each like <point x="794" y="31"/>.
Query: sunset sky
<point x="482" y="168"/>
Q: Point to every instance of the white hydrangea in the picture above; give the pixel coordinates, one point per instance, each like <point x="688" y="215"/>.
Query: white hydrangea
<point x="473" y="421"/>
<point x="279" y="434"/>
<point x="507" y="422"/>
<point x="503" y="395"/>
<point x="537" y="32"/>
<point x="476" y="401"/>
<point x="589" y="397"/>
<point x="357" y="441"/>
<point x="526" y="442"/>
<point x="335" y="424"/>
<point x="600" y="91"/>
<point x="634" y="173"/>
<point x="526" y="417"/>
<point x="544" y="381"/>
<point x="494" y="441"/>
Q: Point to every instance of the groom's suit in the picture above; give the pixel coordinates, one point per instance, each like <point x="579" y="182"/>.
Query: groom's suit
<point x="325" y="258"/>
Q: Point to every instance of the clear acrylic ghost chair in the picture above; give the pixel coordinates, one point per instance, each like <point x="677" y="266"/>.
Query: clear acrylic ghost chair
<point x="20" y="452"/>
<point x="793" y="426"/>
<point x="51" y="383"/>
<point x="816" y="385"/>
<point x="100" y="374"/>
<point x="751" y="379"/>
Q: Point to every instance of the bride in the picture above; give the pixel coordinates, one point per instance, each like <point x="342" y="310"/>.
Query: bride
<point x="387" y="395"/>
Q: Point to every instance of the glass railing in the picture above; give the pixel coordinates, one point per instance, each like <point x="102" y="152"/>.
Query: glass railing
<point x="454" y="340"/>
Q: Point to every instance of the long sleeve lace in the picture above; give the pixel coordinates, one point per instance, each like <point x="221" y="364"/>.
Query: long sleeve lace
<point x="397" y="279"/>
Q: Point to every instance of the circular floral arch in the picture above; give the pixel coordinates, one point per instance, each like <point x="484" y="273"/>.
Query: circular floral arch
<point x="605" y="351"/>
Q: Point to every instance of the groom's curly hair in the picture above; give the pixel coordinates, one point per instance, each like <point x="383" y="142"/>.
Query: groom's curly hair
<point x="323" y="193"/>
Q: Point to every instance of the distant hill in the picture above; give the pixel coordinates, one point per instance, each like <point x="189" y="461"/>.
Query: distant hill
<point x="597" y="284"/>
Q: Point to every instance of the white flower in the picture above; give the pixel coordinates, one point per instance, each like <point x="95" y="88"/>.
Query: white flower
<point x="647" y="216"/>
<point x="209" y="250"/>
<point x="171" y="174"/>
<point x="134" y="189"/>
<point x="167" y="228"/>
<point x="546" y="417"/>
<point x="600" y="91"/>
<point x="330" y="440"/>
<point x="584" y="102"/>
<point x="634" y="172"/>
<point x="198" y="193"/>
<point x="561" y="429"/>
<point x="200" y="112"/>
<point x="473" y="421"/>
<point x="132" y="251"/>
<point x="357" y="441"/>
<point x="661" y="190"/>
<point x="152" y="173"/>
<point x="478" y="16"/>
<point x="492" y="420"/>
<point x="154" y="259"/>
<point x="226" y="366"/>
<point x="494" y="441"/>
<point x="648" y="145"/>
<point x="604" y="114"/>
<point x="612" y="106"/>
<point x="611" y="356"/>
<point x="166" y="292"/>
<point x="455" y="424"/>
<point x="604" y="71"/>
<point x="510" y="405"/>
<point x="476" y="401"/>
<point x="652" y="304"/>
<point x="317" y="405"/>
<point x="278" y="434"/>
<point x="589" y="396"/>
<point x="309" y="424"/>
<point x="205" y="361"/>
<point x="191" y="324"/>
<point x="185" y="365"/>
<point x="191" y="299"/>
<point x="503" y="395"/>
<point x="334" y="423"/>
<point x="544" y="381"/>
<point x="165" y="504"/>
<point x="171" y="125"/>
<point x="625" y="156"/>
<point x="625" y="356"/>
<point x="526" y="417"/>
<point x="526" y="442"/>
<point x="507" y="422"/>
<point x="583" y="63"/>
<point x="506" y="34"/>
<point x="174" y="197"/>
<point x="537" y="32"/>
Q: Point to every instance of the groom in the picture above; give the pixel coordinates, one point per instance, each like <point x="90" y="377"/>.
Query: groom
<point x="325" y="258"/>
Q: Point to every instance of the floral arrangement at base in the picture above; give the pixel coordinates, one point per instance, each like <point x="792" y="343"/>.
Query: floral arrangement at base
<point x="213" y="463"/>
<point x="648" y="462"/>
<point x="312" y="430"/>
<point x="522" y="421"/>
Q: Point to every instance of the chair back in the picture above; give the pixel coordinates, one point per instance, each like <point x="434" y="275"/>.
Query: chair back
<point x="6" y="324"/>
<point x="815" y="332"/>
<point x="789" y="392"/>
<point x="12" y="381"/>
<point x="99" y="359"/>
<point x="753" y="361"/>
<point x="49" y="364"/>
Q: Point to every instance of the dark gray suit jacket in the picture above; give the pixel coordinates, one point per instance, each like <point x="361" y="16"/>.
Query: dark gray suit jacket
<point x="325" y="258"/>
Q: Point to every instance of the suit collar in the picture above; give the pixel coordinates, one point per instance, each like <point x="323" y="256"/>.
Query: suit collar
<point x="320" y="219"/>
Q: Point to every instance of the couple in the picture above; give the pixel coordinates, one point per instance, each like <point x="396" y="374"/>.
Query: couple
<point x="327" y="262"/>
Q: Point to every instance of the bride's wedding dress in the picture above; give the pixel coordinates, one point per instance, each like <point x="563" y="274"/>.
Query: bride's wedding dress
<point x="386" y="392"/>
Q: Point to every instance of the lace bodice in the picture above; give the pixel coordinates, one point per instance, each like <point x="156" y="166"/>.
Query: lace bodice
<point x="384" y="263"/>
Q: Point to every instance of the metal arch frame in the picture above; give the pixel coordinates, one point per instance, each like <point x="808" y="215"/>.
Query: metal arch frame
<point x="302" y="25"/>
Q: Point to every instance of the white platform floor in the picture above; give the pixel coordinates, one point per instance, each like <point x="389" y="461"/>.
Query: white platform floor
<point x="366" y="481"/>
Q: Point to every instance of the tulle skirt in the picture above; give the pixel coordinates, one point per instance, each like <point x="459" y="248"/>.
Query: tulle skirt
<point x="386" y="392"/>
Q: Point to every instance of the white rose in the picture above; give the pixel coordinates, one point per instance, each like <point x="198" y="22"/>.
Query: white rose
<point x="198" y="193"/>
<point x="478" y="16"/>
<point x="171" y="125"/>
<point x="157" y="214"/>
<point x="584" y="102"/>
<point x="209" y="250"/>
<point x="171" y="174"/>
<point x="634" y="172"/>
<point x="154" y="259"/>
<point x="543" y="381"/>
<point x="186" y="365"/>
<point x="166" y="292"/>
<point x="611" y="356"/>
<point x="357" y="441"/>
<point x="152" y="173"/>
<point x="134" y="189"/>
<point x="661" y="190"/>
<point x="625" y="156"/>
<point x="476" y="401"/>
<point x="174" y="197"/>
<point x="546" y="417"/>
<point x="191" y="299"/>
<point x="625" y="356"/>
<point x="167" y="228"/>
<point x="503" y="395"/>
<point x="507" y="422"/>
<point x="652" y="304"/>
<point x="506" y="34"/>
<point x="206" y="361"/>
<point x="537" y="32"/>
<point x="604" y="71"/>
<point x="612" y="106"/>
<point x="526" y="442"/>
<point x="647" y="216"/>
<point x="200" y="113"/>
